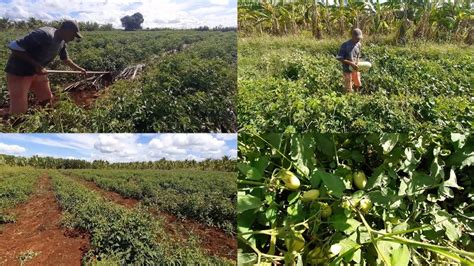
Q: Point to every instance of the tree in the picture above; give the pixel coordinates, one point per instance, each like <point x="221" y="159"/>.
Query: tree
<point x="106" y="27"/>
<point x="5" y="23"/>
<point x="132" y="22"/>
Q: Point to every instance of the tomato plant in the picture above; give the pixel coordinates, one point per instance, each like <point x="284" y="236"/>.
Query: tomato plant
<point x="204" y="196"/>
<point x="119" y="235"/>
<point x="393" y="199"/>
<point x="16" y="185"/>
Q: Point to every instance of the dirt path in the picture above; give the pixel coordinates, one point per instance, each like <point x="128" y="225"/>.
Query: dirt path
<point x="38" y="232"/>
<point x="213" y="241"/>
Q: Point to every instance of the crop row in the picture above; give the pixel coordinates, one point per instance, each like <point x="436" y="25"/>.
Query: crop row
<point x="16" y="185"/>
<point x="205" y="196"/>
<point x="119" y="235"/>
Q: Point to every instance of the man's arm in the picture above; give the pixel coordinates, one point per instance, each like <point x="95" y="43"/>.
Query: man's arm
<point x="74" y="66"/>
<point x="348" y="62"/>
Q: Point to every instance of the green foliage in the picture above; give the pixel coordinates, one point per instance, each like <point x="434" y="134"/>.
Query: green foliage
<point x="121" y="234"/>
<point x="205" y="196"/>
<point x="402" y="20"/>
<point x="225" y="164"/>
<point x="416" y="207"/>
<point x="295" y="85"/>
<point x="16" y="185"/>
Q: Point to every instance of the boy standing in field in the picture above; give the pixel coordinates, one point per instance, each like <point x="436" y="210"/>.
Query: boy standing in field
<point x="30" y="55"/>
<point x="349" y="55"/>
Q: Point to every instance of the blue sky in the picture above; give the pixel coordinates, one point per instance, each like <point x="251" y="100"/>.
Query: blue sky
<point x="121" y="147"/>
<point x="157" y="13"/>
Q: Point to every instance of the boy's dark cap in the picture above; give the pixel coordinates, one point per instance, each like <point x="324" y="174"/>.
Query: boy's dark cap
<point x="357" y="33"/>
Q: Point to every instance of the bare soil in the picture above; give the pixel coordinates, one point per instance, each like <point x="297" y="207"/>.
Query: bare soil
<point x="38" y="232"/>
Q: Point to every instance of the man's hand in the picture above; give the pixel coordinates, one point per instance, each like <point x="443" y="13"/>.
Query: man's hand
<point x="83" y="71"/>
<point x="40" y="70"/>
<point x="354" y="66"/>
<point x="74" y="66"/>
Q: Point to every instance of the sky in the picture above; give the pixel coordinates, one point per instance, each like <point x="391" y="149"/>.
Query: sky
<point x="121" y="147"/>
<point x="156" y="13"/>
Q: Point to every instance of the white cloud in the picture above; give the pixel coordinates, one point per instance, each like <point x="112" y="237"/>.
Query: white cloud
<point x="123" y="147"/>
<point x="11" y="149"/>
<point x="232" y="153"/>
<point x="226" y="137"/>
<point x="187" y="146"/>
<point x="163" y="13"/>
<point x="79" y="142"/>
<point x="219" y="2"/>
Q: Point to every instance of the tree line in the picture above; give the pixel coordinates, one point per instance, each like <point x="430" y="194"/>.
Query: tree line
<point x="33" y="23"/>
<point x="130" y="23"/>
<point x="437" y="20"/>
<point x="224" y="164"/>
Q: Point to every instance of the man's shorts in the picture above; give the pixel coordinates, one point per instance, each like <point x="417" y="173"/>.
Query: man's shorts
<point x="351" y="78"/>
<point x="19" y="86"/>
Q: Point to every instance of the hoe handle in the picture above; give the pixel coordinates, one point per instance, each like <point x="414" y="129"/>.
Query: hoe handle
<point x="77" y="72"/>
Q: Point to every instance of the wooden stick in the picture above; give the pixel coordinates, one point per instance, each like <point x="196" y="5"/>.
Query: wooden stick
<point x="77" y="72"/>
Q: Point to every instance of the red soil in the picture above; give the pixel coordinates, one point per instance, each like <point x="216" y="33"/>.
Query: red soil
<point x="38" y="229"/>
<point x="214" y="241"/>
<point x="84" y="98"/>
<point x="110" y="195"/>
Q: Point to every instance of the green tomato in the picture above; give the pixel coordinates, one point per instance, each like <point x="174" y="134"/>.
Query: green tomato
<point x="310" y="195"/>
<point x="346" y="142"/>
<point x="350" y="204"/>
<point x="365" y="205"/>
<point x="394" y="220"/>
<point x="291" y="181"/>
<point x="326" y="210"/>
<point x="295" y="242"/>
<point x="360" y="180"/>
<point x="315" y="256"/>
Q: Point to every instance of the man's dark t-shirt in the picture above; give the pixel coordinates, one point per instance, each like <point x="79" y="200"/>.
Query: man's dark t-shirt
<point x="349" y="51"/>
<point x="41" y="46"/>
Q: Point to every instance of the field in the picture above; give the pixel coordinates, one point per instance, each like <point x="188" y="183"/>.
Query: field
<point x="356" y="199"/>
<point x="205" y="196"/>
<point x="15" y="187"/>
<point x="294" y="84"/>
<point x="188" y="84"/>
<point x="113" y="217"/>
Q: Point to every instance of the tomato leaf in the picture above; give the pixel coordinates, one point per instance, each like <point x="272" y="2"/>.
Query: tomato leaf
<point x="247" y="202"/>
<point x="400" y="256"/>
<point x="452" y="181"/>
<point x="302" y="152"/>
<point x="419" y="183"/>
<point x="250" y="172"/>
<point x="343" y="224"/>
<point x="388" y="141"/>
<point x="333" y="183"/>
<point x="245" y="221"/>
<point x="246" y="259"/>
<point x="346" y="245"/>
<point x="325" y="144"/>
